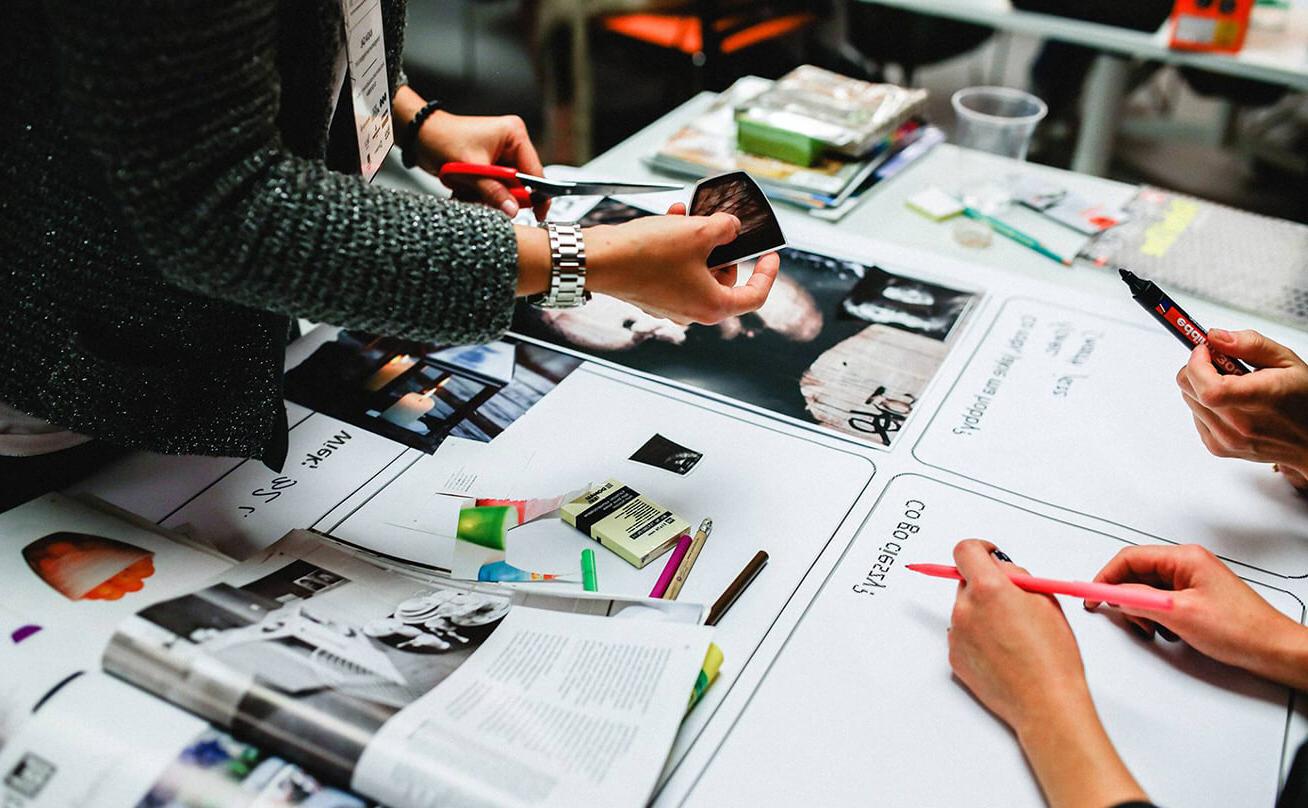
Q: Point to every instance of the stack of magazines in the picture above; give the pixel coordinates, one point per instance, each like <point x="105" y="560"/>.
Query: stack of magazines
<point x="142" y="670"/>
<point x="859" y="145"/>
<point x="828" y="112"/>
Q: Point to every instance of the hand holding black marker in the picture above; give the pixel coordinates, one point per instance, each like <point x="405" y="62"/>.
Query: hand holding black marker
<point x="1175" y="319"/>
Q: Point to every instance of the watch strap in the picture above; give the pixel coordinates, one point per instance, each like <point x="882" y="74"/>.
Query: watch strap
<point x="567" y="269"/>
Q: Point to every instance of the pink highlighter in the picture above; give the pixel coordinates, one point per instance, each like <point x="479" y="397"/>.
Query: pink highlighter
<point x="1114" y="594"/>
<point x="670" y="571"/>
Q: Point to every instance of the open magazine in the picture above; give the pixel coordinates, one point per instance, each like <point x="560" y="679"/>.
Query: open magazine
<point x="310" y="676"/>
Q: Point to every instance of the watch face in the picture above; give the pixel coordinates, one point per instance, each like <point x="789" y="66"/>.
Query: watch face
<point x="737" y="193"/>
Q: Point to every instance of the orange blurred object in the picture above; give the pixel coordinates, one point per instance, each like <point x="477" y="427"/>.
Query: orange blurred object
<point x="1217" y="26"/>
<point x="684" y="33"/>
<point x="131" y="579"/>
<point x="80" y="566"/>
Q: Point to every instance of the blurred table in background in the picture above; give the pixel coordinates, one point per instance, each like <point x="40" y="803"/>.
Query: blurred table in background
<point x="1275" y="57"/>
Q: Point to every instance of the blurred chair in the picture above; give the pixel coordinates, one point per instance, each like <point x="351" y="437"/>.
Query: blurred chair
<point x="893" y="36"/>
<point x="1060" y="69"/>
<point x="709" y="32"/>
<point x="705" y="33"/>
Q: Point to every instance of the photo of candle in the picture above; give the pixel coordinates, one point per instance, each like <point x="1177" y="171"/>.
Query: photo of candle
<point x="482" y="389"/>
<point x="411" y="407"/>
<point x="387" y="372"/>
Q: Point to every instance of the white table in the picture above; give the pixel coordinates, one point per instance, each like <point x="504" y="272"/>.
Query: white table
<point x="1278" y="57"/>
<point x="899" y="239"/>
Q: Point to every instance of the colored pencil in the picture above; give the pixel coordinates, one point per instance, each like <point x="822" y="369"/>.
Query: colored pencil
<point x="683" y="571"/>
<point x="743" y="580"/>
<point x="1008" y="231"/>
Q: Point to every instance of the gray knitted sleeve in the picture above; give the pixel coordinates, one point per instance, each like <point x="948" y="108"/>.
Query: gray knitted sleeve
<point x="178" y="100"/>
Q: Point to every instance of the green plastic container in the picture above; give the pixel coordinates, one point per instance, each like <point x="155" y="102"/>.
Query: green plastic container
<point x="769" y="141"/>
<point x="486" y="526"/>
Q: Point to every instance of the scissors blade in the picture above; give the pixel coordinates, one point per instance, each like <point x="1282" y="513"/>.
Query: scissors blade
<point x="612" y="188"/>
<point x="548" y="188"/>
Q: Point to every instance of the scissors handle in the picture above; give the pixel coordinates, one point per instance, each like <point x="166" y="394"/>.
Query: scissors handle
<point x="505" y="174"/>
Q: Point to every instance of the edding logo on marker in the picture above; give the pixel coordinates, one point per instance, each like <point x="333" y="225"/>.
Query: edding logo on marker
<point x="1177" y="318"/>
<point x="1174" y="318"/>
<point x="1198" y="336"/>
<point x="889" y="552"/>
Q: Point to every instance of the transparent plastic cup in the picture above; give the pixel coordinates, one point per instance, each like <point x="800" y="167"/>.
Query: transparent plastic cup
<point x="999" y="120"/>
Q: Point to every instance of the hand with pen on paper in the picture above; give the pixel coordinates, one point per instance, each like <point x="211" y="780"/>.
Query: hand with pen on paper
<point x="1016" y="653"/>
<point x="1260" y="416"/>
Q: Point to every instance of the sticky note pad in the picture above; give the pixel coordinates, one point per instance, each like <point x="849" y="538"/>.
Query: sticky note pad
<point x="624" y="521"/>
<point x="934" y="204"/>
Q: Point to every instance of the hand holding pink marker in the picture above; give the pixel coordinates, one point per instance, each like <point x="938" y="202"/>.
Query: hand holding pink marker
<point x="1115" y="594"/>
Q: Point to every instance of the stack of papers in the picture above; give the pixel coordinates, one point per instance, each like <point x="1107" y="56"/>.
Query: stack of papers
<point x="707" y="145"/>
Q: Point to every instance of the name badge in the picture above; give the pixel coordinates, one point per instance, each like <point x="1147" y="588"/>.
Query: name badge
<point x="365" y="49"/>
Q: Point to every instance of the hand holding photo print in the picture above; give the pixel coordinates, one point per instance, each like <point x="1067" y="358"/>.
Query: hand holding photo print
<point x="737" y="193"/>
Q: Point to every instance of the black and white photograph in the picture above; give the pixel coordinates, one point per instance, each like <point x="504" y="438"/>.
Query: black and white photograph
<point x="844" y="344"/>
<point x="668" y="455"/>
<point x="419" y="394"/>
<point x="323" y="661"/>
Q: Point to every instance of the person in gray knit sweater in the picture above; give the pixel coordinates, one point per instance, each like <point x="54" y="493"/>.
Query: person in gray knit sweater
<point x="181" y="179"/>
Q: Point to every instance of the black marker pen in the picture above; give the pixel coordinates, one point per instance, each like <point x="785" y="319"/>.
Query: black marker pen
<point x="1175" y="320"/>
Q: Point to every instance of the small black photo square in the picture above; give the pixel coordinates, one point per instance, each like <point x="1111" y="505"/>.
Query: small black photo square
<point x="662" y="453"/>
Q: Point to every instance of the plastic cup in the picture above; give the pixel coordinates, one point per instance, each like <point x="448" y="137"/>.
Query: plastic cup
<point x="999" y="120"/>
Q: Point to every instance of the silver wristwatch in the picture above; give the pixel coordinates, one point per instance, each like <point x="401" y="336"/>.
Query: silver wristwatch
<point x="567" y="269"/>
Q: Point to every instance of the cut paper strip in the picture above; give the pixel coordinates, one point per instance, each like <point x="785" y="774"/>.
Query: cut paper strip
<point x="530" y="510"/>
<point x="504" y="572"/>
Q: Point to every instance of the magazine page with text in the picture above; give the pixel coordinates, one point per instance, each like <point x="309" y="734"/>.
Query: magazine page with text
<point x="412" y="688"/>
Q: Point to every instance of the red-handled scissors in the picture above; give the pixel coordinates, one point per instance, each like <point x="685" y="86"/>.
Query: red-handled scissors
<point x="531" y="190"/>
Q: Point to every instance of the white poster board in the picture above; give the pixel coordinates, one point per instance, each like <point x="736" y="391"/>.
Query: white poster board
<point x="1083" y="412"/>
<point x="860" y="707"/>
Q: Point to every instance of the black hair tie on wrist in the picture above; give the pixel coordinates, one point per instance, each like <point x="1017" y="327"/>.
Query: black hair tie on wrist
<point x="409" y="151"/>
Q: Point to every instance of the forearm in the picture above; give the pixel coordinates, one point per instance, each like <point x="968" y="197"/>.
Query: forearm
<point x="1284" y="655"/>
<point x="1074" y="759"/>
<point x="404" y="106"/>
<point x="222" y="209"/>
<point x="607" y="253"/>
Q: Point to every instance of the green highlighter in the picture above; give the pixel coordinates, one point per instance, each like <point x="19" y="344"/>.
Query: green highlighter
<point x="589" y="580"/>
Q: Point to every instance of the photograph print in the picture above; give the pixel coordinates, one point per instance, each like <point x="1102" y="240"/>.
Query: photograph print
<point x="419" y="394"/>
<point x="843" y="344"/>
<point x="321" y="661"/>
